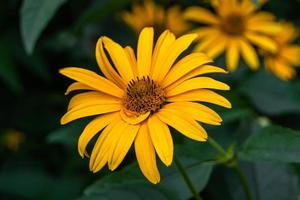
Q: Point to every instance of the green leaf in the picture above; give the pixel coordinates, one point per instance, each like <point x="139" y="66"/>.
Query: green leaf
<point x="271" y="95"/>
<point x="129" y="183"/>
<point x="272" y="143"/>
<point x="35" y="15"/>
<point x="8" y="71"/>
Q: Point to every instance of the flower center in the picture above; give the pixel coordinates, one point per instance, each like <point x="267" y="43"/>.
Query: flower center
<point x="143" y="95"/>
<point x="233" y="24"/>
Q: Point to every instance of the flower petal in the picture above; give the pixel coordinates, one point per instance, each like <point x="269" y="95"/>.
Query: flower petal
<point x="121" y="145"/>
<point x="174" y="51"/>
<point x="145" y="154"/>
<point x="196" y="83"/>
<point x="262" y="41"/>
<point x="161" y="139"/>
<point x="93" y="97"/>
<point x="94" y="127"/>
<point x="184" y="66"/>
<point x="232" y="55"/>
<point x="249" y="54"/>
<point x="99" y="156"/>
<point x="160" y="52"/>
<point x="91" y="79"/>
<point x="131" y="56"/>
<point x="77" y="86"/>
<point x="89" y="110"/>
<point x="202" y="95"/>
<point x="144" y="51"/>
<point x="200" y="15"/>
<point x="182" y="123"/>
<point x="196" y="111"/>
<point x="119" y="58"/>
<point x="131" y="118"/>
<point x="105" y="66"/>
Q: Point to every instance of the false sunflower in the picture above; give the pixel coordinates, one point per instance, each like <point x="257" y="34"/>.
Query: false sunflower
<point x="235" y="27"/>
<point x="140" y="97"/>
<point x="148" y="13"/>
<point x="288" y="55"/>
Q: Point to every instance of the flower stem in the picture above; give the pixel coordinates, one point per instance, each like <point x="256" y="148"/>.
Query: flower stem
<point x="234" y="166"/>
<point x="243" y="181"/>
<point x="187" y="178"/>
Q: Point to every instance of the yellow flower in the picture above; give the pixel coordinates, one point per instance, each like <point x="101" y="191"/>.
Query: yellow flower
<point x="12" y="139"/>
<point x="151" y="14"/>
<point x="287" y="55"/>
<point x="235" y="28"/>
<point x="137" y="101"/>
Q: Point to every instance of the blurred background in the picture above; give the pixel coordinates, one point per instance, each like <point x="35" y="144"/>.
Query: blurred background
<point x="39" y="158"/>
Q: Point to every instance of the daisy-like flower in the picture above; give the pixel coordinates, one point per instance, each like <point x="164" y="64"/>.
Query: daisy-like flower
<point x="235" y="28"/>
<point x="140" y="97"/>
<point x="288" y="55"/>
<point x="150" y="14"/>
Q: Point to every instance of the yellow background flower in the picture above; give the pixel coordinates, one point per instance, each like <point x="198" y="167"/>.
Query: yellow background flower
<point x="235" y="28"/>
<point x="137" y="102"/>
<point x="288" y="55"/>
<point x="150" y="14"/>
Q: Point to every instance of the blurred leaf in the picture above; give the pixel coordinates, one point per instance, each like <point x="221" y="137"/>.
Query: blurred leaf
<point x="129" y="183"/>
<point x="67" y="134"/>
<point x="8" y="72"/>
<point x="98" y="10"/>
<point x="271" y="95"/>
<point x="275" y="181"/>
<point x="35" y="15"/>
<point x="272" y="143"/>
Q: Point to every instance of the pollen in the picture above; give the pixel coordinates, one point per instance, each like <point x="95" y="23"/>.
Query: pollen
<point x="233" y="24"/>
<point x="143" y="95"/>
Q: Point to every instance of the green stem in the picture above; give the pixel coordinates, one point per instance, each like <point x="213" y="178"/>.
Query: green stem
<point x="243" y="181"/>
<point x="235" y="166"/>
<point x="187" y="178"/>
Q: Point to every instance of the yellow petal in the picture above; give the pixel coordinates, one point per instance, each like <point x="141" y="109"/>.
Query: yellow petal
<point x="91" y="79"/>
<point x="161" y="139"/>
<point x="247" y="7"/>
<point x="94" y="127"/>
<point x="161" y="51"/>
<point x="262" y="41"/>
<point x="291" y="54"/>
<point x="196" y="111"/>
<point x="204" y="69"/>
<point x="99" y="156"/>
<point x="88" y="98"/>
<point x="182" y="123"/>
<point x="205" y="43"/>
<point x="119" y="58"/>
<point x="197" y="83"/>
<point x="200" y="15"/>
<point x="201" y="95"/>
<point x="77" y="86"/>
<point x="174" y="51"/>
<point x="232" y="55"/>
<point x="144" y="51"/>
<point x="105" y="66"/>
<point x="145" y="155"/>
<point x="217" y="46"/>
<point x="265" y="27"/>
<point x="131" y="56"/>
<point x="121" y="145"/>
<point x="89" y="110"/>
<point x="131" y="118"/>
<point x="249" y="54"/>
<point x="184" y="66"/>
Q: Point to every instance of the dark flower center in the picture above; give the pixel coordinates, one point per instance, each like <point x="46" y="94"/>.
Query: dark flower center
<point x="233" y="24"/>
<point x="143" y="95"/>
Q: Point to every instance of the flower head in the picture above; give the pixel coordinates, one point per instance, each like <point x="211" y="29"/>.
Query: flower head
<point x="140" y="97"/>
<point x="287" y="55"/>
<point x="235" y="28"/>
<point x="150" y="14"/>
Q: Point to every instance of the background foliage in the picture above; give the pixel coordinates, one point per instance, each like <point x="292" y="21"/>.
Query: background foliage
<point x="38" y="37"/>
